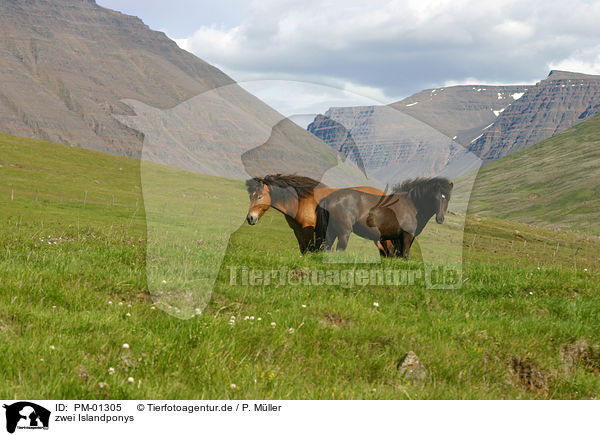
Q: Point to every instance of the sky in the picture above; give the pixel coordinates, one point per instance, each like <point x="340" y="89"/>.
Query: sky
<point x="305" y="56"/>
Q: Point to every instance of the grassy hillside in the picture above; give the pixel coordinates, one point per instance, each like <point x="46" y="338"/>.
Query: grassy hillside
<point x="555" y="182"/>
<point x="75" y="282"/>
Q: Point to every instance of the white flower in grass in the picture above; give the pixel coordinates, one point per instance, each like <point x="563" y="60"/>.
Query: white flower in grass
<point x="120" y="303"/>
<point x="126" y="346"/>
<point x="259" y="319"/>
<point x="164" y="281"/>
<point x="251" y="318"/>
<point x="153" y="308"/>
<point x="110" y="302"/>
<point x="585" y="269"/>
<point x="273" y="325"/>
<point x="291" y="330"/>
<point x="53" y="307"/>
<point x="304" y="306"/>
<point x="376" y="304"/>
<point x="530" y="293"/>
<point x="128" y="314"/>
<point x="52" y="347"/>
<point x="233" y="386"/>
<point x="198" y="311"/>
<point x="130" y="379"/>
<point x="111" y="370"/>
<point x="246" y="318"/>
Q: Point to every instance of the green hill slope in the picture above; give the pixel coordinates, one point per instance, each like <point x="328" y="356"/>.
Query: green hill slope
<point x="555" y="182"/>
<point x="75" y="286"/>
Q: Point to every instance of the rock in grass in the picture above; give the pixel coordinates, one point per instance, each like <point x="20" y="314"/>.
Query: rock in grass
<point x="580" y="354"/>
<point x="411" y="368"/>
<point x="528" y="374"/>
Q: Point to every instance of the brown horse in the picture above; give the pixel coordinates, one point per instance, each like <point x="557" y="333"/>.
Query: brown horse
<point x="399" y="217"/>
<point x="375" y="217"/>
<point x="429" y="197"/>
<point x="297" y="198"/>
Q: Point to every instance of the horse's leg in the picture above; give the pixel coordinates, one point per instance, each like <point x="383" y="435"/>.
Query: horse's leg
<point x="381" y="247"/>
<point x="330" y="238"/>
<point x="407" y="241"/>
<point x="343" y="241"/>
<point x="385" y="247"/>
<point x="297" y="232"/>
<point x="389" y="247"/>
<point x="398" y="246"/>
<point x="342" y="228"/>
<point x="308" y="239"/>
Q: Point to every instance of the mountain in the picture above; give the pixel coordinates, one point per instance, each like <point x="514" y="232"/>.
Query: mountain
<point x="79" y="74"/>
<point x="489" y="121"/>
<point x="553" y="105"/>
<point x="423" y="135"/>
<point x="65" y="66"/>
<point x="460" y="112"/>
<point x="555" y="182"/>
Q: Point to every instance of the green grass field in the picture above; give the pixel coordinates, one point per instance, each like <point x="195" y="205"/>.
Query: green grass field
<point x="555" y="182"/>
<point x="78" y="281"/>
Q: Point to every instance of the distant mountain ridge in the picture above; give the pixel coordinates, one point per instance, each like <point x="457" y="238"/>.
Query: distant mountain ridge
<point x="426" y="134"/>
<point x="461" y="112"/>
<point x="429" y="128"/>
<point x="553" y="105"/>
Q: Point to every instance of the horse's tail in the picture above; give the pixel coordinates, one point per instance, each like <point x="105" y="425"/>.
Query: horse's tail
<point x="321" y="226"/>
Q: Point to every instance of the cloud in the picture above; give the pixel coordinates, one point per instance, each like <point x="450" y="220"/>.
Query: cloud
<point x="582" y="61"/>
<point x="291" y="97"/>
<point x="394" y="48"/>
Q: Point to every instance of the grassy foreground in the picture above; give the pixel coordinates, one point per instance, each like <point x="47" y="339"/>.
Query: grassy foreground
<point x="75" y="288"/>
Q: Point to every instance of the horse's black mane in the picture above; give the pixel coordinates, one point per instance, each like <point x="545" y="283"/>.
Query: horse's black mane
<point x="301" y="184"/>
<point x="421" y="187"/>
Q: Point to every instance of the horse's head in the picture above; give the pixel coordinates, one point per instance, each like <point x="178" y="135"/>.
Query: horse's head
<point x="442" y="198"/>
<point x="260" y="200"/>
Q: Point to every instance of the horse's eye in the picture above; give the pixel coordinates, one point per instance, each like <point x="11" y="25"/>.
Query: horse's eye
<point x="260" y="197"/>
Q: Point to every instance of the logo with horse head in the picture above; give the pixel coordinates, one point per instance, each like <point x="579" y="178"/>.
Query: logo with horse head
<point x="26" y="415"/>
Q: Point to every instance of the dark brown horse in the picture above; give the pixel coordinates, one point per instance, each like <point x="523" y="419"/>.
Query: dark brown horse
<point x="347" y="211"/>
<point x="297" y="198"/>
<point x="399" y="217"/>
<point x="429" y="196"/>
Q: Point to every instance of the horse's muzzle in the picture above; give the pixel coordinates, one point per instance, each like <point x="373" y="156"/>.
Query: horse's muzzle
<point x="252" y="219"/>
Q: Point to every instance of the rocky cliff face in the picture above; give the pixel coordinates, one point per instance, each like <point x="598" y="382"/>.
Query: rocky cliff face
<point x="390" y="144"/>
<point x="460" y="112"/>
<point x="79" y="74"/>
<point x="65" y="66"/>
<point x="425" y="135"/>
<point x="553" y="105"/>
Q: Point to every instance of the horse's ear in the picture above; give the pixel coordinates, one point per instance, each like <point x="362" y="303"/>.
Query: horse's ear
<point x="451" y="185"/>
